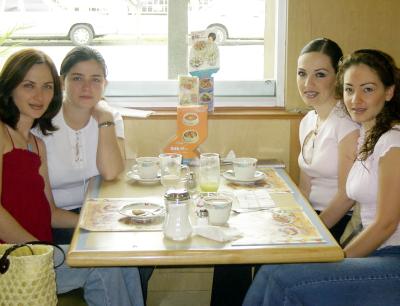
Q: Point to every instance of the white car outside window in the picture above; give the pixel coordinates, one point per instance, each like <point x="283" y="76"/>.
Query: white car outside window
<point x="41" y="19"/>
<point x="231" y="19"/>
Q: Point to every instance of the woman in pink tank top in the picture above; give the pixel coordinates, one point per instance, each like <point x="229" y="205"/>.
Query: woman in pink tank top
<point x="30" y="96"/>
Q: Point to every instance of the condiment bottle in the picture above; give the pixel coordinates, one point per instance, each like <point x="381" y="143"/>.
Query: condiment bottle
<point x="202" y="217"/>
<point x="177" y="224"/>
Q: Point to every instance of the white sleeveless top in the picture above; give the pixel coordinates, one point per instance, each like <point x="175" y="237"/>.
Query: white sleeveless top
<point x="362" y="182"/>
<point x="323" y="170"/>
<point x="71" y="158"/>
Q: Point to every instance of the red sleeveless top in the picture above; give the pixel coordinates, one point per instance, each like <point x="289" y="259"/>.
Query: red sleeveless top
<point x="23" y="192"/>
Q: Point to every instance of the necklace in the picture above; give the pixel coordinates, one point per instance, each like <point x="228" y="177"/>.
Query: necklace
<point x="317" y="126"/>
<point x="23" y="139"/>
<point x="30" y="147"/>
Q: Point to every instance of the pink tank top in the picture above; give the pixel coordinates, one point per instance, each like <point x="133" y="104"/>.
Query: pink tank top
<point x="23" y="192"/>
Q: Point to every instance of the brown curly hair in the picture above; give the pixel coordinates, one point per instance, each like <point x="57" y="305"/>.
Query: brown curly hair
<point x="387" y="71"/>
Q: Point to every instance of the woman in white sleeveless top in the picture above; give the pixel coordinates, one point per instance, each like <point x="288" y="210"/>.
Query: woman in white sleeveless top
<point x="328" y="136"/>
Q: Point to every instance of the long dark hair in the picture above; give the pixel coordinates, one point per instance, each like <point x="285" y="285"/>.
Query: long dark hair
<point x="82" y="54"/>
<point x="325" y="46"/>
<point x="388" y="73"/>
<point x="13" y="73"/>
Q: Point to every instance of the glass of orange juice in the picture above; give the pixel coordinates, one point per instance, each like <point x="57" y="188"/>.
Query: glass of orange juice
<point x="209" y="172"/>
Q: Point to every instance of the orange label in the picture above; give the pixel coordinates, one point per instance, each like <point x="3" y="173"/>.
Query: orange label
<point x="192" y="127"/>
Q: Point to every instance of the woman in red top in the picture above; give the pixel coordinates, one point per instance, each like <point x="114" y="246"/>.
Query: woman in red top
<point x="30" y="96"/>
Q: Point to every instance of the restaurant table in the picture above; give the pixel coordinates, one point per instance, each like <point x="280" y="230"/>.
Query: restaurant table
<point x="111" y="247"/>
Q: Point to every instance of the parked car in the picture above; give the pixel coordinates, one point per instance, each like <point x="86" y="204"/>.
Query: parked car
<point x="230" y="19"/>
<point x="44" y="19"/>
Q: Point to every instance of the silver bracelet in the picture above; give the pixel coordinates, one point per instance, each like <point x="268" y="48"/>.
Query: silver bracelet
<point x="106" y="124"/>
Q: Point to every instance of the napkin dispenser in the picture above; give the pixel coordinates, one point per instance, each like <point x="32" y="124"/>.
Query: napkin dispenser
<point x="177" y="223"/>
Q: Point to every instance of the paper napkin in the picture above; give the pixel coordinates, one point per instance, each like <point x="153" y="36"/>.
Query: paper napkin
<point x="217" y="233"/>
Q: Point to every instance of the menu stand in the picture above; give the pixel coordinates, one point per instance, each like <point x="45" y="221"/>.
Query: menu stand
<point x="192" y="128"/>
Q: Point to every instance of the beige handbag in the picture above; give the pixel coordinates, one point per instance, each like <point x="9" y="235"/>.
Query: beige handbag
<point x="27" y="274"/>
<point x="353" y="228"/>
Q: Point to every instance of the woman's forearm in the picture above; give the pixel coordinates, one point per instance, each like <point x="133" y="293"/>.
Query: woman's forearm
<point x="336" y="209"/>
<point x="11" y="231"/>
<point x="62" y="218"/>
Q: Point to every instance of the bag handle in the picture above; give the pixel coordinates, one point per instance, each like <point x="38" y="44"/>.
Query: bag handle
<point x="5" y="262"/>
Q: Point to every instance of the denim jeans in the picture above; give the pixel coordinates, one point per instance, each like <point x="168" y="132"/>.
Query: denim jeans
<point x="368" y="281"/>
<point x="114" y="286"/>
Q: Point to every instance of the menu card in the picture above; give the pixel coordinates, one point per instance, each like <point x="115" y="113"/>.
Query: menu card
<point x="191" y="130"/>
<point x="206" y="92"/>
<point x="188" y="90"/>
<point x="204" y="54"/>
<point x="254" y="199"/>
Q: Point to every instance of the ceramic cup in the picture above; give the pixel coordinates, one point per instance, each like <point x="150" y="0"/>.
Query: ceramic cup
<point x="219" y="208"/>
<point x="148" y="167"/>
<point x="244" y="168"/>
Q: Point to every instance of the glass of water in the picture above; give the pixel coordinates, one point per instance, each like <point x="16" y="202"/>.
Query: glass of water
<point x="171" y="169"/>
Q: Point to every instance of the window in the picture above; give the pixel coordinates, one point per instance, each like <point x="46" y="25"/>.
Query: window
<point x="144" y="60"/>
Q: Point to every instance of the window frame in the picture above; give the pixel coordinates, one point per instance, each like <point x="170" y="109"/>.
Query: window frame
<point x="267" y="93"/>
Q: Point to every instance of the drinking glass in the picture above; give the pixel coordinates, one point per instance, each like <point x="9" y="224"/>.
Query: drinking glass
<point x="170" y="165"/>
<point x="209" y="173"/>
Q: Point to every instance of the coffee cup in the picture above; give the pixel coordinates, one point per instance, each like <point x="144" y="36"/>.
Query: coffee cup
<point x="148" y="167"/>
<point x="244" y="168"/>
<point x="219" y="208"/>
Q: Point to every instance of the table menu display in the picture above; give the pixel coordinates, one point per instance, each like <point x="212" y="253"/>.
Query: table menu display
<point x="204" y="54"/>
<point x="203" y="63"/>
<point x="188" y="90"/>
<point x="191" y="131"/>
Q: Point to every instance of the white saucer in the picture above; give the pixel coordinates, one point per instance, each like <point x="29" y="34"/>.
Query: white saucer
<point x="142" y="212"/>
<point x="230" y="176"/>
<point x="135" y="176"/>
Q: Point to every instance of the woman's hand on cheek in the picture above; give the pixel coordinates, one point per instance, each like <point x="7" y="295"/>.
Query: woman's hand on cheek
<point x="102" y="112"/>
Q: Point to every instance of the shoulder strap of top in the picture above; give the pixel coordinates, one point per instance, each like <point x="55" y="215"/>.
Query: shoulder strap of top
<point x="8" y="132"/>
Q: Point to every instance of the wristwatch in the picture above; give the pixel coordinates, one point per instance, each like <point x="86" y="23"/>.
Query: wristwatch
<point x="106" y="124"/>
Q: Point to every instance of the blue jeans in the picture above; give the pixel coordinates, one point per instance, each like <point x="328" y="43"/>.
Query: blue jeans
<point x="119" y="286"/>
<point x="368" y="281"/>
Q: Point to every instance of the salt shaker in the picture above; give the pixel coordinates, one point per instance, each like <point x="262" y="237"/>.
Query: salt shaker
<point x="202" y="216"/>
<point x="191" y="183"/>
<point x="177" y="224"/>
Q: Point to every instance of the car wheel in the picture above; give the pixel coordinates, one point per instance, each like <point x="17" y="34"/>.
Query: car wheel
<point x="220" y="32"/>
<point x="81" y="35"/>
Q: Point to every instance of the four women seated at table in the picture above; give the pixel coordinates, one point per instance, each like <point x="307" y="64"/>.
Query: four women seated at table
<point x="340" y="163"/>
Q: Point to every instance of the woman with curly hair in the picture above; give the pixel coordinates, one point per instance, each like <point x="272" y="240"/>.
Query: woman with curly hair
<point x="369" y="82"/>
